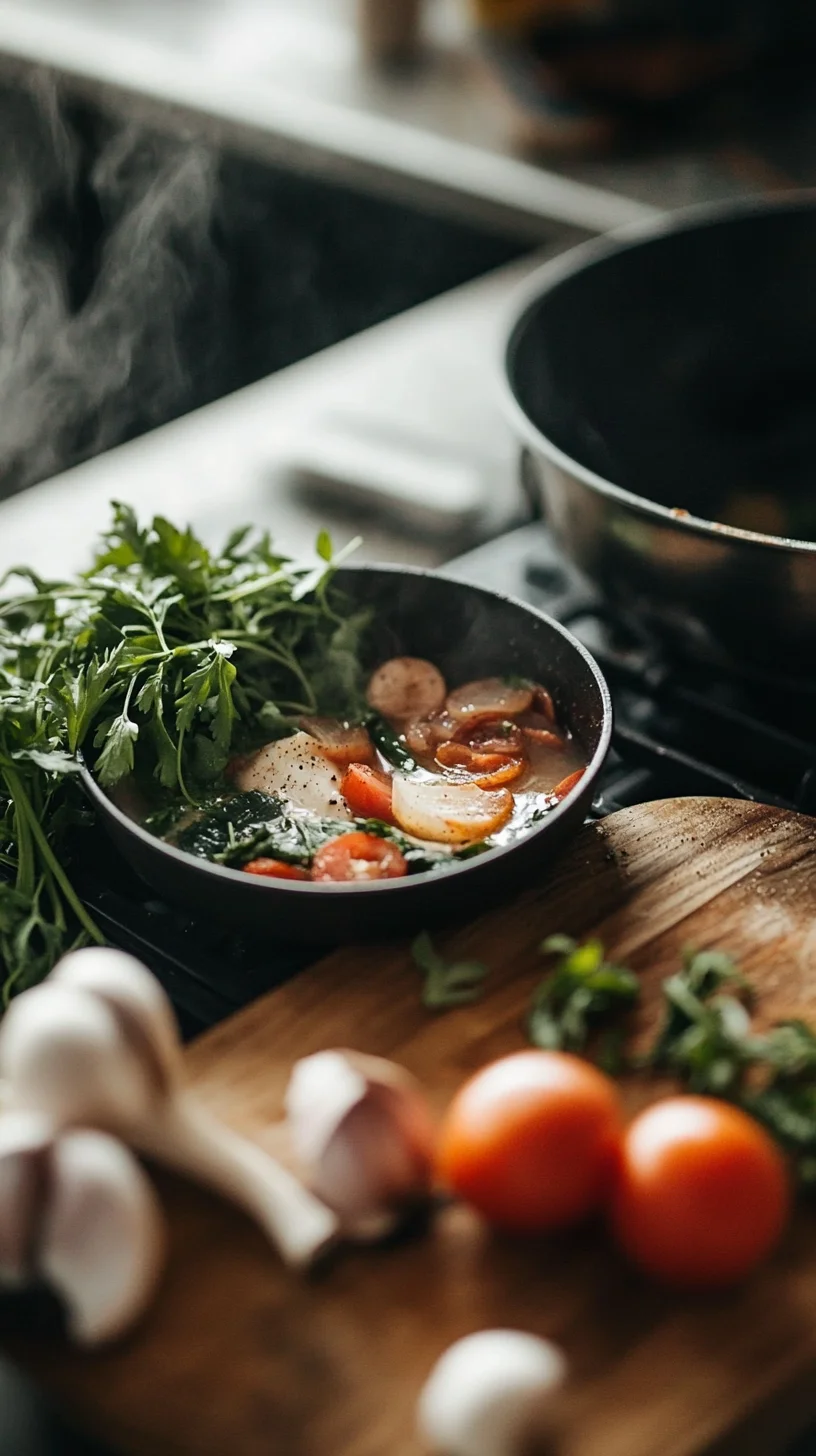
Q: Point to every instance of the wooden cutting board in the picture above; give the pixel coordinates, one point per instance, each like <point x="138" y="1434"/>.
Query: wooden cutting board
<point x="240" y="1358"/>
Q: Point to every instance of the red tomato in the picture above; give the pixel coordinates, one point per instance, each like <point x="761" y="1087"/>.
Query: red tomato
<point x="702" y="1194"/>
<point x="276" y="869"/>
<point x="367" y="792"/>
<point x="532" y="1140"/>
<point x="359" y="857"/>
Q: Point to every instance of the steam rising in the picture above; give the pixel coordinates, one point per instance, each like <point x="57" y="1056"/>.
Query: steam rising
<point x="105" y="246"/>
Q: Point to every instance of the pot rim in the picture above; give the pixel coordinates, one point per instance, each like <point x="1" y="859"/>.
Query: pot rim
<point x="529" y="295"/>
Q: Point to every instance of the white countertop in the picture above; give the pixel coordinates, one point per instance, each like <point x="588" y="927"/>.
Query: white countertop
<point x="431" y="375"/>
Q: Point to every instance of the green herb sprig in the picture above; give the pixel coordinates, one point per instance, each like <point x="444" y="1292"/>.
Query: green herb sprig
<point x="447" y="985"/>
<point x="162" y="660"/>
<point x="583" y="990"/>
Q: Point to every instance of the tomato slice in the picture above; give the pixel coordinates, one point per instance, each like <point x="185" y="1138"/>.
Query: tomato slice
<point x="491" y="697"/>
<point x="367" y="792"/>
<point x="497" y="735"/>
<point x="545" y="738"/>
<point x="567" y="785"/>
<point x="462" y="755"/>
<point x="358" y="857"/>
<point x="276" y="869"/>
<point x="510" y="770"/>
<point x="487" y="770"/>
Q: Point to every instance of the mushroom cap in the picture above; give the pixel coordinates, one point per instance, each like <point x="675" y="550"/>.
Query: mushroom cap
<point x="488" y="1392"/>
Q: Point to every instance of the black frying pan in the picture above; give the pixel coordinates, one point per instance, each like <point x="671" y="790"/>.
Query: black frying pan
<point x="664" y="383"/>
<point x="470" y="634"/>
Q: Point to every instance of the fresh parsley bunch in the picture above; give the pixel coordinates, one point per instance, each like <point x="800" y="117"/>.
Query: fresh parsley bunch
<point x="162" y="660"/>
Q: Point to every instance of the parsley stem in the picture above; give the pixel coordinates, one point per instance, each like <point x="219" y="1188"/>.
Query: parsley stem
<point x="24" y="809"/>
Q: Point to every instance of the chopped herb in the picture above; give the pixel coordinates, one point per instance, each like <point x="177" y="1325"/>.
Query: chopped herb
<point x="582" y="991"/>
<point x="164" y="659"/>
<point x="447" y="986"/>
<point x="706" y="1038"/>
<point x="392" y="749"/>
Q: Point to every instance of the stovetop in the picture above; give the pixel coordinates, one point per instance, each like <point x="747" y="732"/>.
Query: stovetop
<point x="679" y="730"/>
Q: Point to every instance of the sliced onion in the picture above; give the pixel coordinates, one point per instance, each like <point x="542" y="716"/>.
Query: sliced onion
<point x="511" y="769"/>
<point x="341" y="742"/>
<point x="543" y="704"/>
<point x="471" y="760"/>
<point x="492" y="697"/>
<point x="449" y="813"/>
<point x="491" y="735"/>
<point x="406" y="687"/>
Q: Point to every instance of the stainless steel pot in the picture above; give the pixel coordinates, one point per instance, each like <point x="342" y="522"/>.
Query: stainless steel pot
<point x="663" y="382"/>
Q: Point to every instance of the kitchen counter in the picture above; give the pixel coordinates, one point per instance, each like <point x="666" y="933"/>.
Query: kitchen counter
<point x="285" y="80"/>
<point x="425" y="384"/>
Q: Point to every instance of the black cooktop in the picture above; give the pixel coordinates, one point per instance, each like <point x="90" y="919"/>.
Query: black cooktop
<point x="678" y="730"/>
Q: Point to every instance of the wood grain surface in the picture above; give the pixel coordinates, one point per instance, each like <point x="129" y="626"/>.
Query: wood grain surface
<point x="240" y="1358"/>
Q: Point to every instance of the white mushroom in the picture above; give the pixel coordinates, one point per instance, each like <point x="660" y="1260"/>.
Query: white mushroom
<point x="98" y="1054"/>
<point x="362" y="1128"/>
<point x="491" y="1394"/>
<point x="77" y="1211"/>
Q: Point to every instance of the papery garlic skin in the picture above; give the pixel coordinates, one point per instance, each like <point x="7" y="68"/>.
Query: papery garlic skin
<point x="123" y="983"/>
<point x="91" y="1048"/>
<point x="102" y="1242"/>
<point x="77" y="1210"/>
<point x="25" y="1141"/>
<point x="62" y="1053"/>
<point x="362" y="1129"/>
<point x="490" y="1394"/>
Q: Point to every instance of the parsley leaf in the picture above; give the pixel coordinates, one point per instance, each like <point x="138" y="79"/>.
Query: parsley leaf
<point x="447" y="986"/>
<point x="582" y="991"/>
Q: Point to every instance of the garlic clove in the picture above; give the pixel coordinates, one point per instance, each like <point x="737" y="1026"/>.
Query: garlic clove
<point x="144" y="1011"/>
<point x="102" y="1242"/>
<point x="491" y="1394"/>
<point x="25" y="1143"/>
<point x="362" y="1128"/>
<point x="62" y="1053"/>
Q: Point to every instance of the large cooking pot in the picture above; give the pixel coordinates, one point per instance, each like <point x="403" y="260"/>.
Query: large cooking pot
<point x="664" y="384"/>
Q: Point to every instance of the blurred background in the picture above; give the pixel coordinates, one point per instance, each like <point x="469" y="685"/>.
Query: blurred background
<point x="257" y="259"/>
<point x="197" y="194"/>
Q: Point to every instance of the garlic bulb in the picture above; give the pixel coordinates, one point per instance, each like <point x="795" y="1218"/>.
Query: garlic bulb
<point x="491" y="1394"/>
<point x="97" y="1046"/>
<point x="25" y="1142"/>
<point x="143" y="1011"/>
<point x="363" y="1131"/>
<point x="77" y="1210"/>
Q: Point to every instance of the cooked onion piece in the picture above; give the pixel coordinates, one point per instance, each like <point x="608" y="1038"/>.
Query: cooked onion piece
<point x="343" y="743"/>
<point x="448" y="812"/>
<point x="492" y="697"/>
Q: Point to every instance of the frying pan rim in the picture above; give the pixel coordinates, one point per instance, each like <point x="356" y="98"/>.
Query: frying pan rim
<point x="222" y="874"/>
<point x="544" y="281"/>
